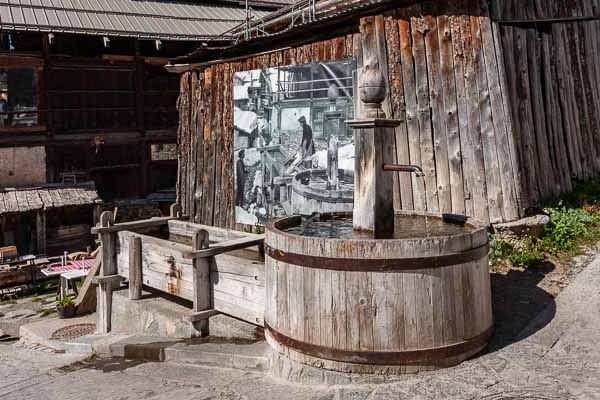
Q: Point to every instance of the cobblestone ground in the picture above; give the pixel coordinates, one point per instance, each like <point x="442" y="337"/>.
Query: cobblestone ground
<point x="557" y="357"/>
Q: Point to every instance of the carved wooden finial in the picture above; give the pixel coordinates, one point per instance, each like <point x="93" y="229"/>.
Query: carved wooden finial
<point x="372" y="89"/>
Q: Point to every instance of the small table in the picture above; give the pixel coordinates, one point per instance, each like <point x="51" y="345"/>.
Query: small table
<point x="71" y="277"/>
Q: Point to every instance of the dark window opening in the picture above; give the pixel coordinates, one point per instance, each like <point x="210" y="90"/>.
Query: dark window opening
<point x="19" y="98"/>
<point x="163" y="151"/>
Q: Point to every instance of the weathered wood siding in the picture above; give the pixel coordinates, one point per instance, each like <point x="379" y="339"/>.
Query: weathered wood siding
<point x="553" y="77"/>
<point x="447" y="83"/>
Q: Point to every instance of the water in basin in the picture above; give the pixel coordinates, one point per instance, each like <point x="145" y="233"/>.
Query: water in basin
<point x="319" y="182"/>
<point x="406" y="227"/>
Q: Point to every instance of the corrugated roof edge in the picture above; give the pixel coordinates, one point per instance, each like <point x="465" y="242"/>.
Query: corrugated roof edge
<point x="342" y="11"/>
<point x="265" y="7"/>
<point x="100" y="32"/>
<point x="263" y="3"/>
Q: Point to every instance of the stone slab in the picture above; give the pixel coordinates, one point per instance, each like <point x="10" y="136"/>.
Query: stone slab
<point x="209" y="352"/>
<point x="152" y="315"/>
<point x="250" y="356"/>
<point x="157" y="316"/>
<point x="40" y="333"/>
<point x="143" y="348"/>
<point x="533" y="226"/>
<point x="96" y="343"/>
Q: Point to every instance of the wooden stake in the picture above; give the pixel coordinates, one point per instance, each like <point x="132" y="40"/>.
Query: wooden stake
<point x="202" y="297"/>
<point x="135" y="268"/>
<point x="108" y="268"/>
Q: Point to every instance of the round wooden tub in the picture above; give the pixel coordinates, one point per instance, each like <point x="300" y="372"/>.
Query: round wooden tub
<point x="377" y="306"/>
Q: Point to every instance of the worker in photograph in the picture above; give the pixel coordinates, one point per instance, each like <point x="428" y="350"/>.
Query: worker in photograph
<point x="240" y="179"/>
<point x="307" y="146"/>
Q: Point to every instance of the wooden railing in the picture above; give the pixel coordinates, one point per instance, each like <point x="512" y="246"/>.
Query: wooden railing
<point x="192" y="265"/>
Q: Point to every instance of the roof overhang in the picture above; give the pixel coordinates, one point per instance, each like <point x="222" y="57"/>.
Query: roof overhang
<point x="334" y="18"/>
<point x="45" y="197"/>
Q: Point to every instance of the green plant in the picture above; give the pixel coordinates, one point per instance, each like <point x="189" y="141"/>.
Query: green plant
<point x="65" y="302"/>
<point x="522" y="254"/>
<point x="528" y="254"/>
<point x="567" y="226"/>
<point x="499" y="250"/>
<point x="574" y="221"/>
<point x="259" y="229"/>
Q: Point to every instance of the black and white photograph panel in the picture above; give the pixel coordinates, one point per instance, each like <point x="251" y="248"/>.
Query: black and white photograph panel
<point x="294" y="153"/>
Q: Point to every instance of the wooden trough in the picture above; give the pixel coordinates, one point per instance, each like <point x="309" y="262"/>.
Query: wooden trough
<point x="377" y="306"/>
<point x="219" y="270"/>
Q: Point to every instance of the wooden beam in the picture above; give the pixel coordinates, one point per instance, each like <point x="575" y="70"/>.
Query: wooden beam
<point x="86" y="300"/>
<point x="186" y="229"/>
<point x="129" y="226"/>
<point x="41" y="231"/>
<point x="542" y="21"/>
<point x="100" y="280"/>
<point x="139" y="86"/>
<point x="225" y="247"/>
<point x="44" y="98"/>
<point x="201" y="315"/>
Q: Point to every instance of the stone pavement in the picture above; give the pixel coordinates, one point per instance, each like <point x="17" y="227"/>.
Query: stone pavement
<point x="556" y="357"/>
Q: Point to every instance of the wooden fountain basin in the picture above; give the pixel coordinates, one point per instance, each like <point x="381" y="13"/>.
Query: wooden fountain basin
<point x="377" y="306"/>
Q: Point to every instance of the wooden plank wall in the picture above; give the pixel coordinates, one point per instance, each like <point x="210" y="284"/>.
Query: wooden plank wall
<point x="446" y="80"/>
<point x="553" y="75"/>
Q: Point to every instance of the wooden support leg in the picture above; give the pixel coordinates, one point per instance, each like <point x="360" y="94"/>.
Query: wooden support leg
<point x="104" y="310"/>
<point x="135" y="268"/>
<point x="108" y="269"/>
<point x="106" y="285"/>
<point x="63" y="287"/>
<point x="202" y="298"/>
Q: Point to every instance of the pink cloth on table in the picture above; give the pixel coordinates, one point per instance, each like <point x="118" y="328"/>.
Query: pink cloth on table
<point x="71" y="266"/>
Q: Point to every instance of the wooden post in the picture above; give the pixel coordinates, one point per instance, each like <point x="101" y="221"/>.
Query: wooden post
<point x="135" y="268"/>
<point x="41" y="231"/>
<point x="139" y="87"/>
<point x="202" y="297"/>
<point x="175" y="211"/>
<point x="332" y="163"/>
<point x="47" y="117"/>
<point x="373" y="187"/>
<point x="108" y="269"/>
<point x="374" y="138"/>
<point x="144" y="150"/>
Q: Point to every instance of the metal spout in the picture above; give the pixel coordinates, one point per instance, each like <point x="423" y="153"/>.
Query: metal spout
<point x="404" y="168"/>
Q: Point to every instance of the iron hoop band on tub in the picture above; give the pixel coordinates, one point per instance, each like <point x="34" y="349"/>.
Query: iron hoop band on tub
<point x="383" y="357"/>
<point x="377" y="264"/>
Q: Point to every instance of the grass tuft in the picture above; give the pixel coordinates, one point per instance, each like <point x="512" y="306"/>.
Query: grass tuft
<point x="574" y="222"/>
